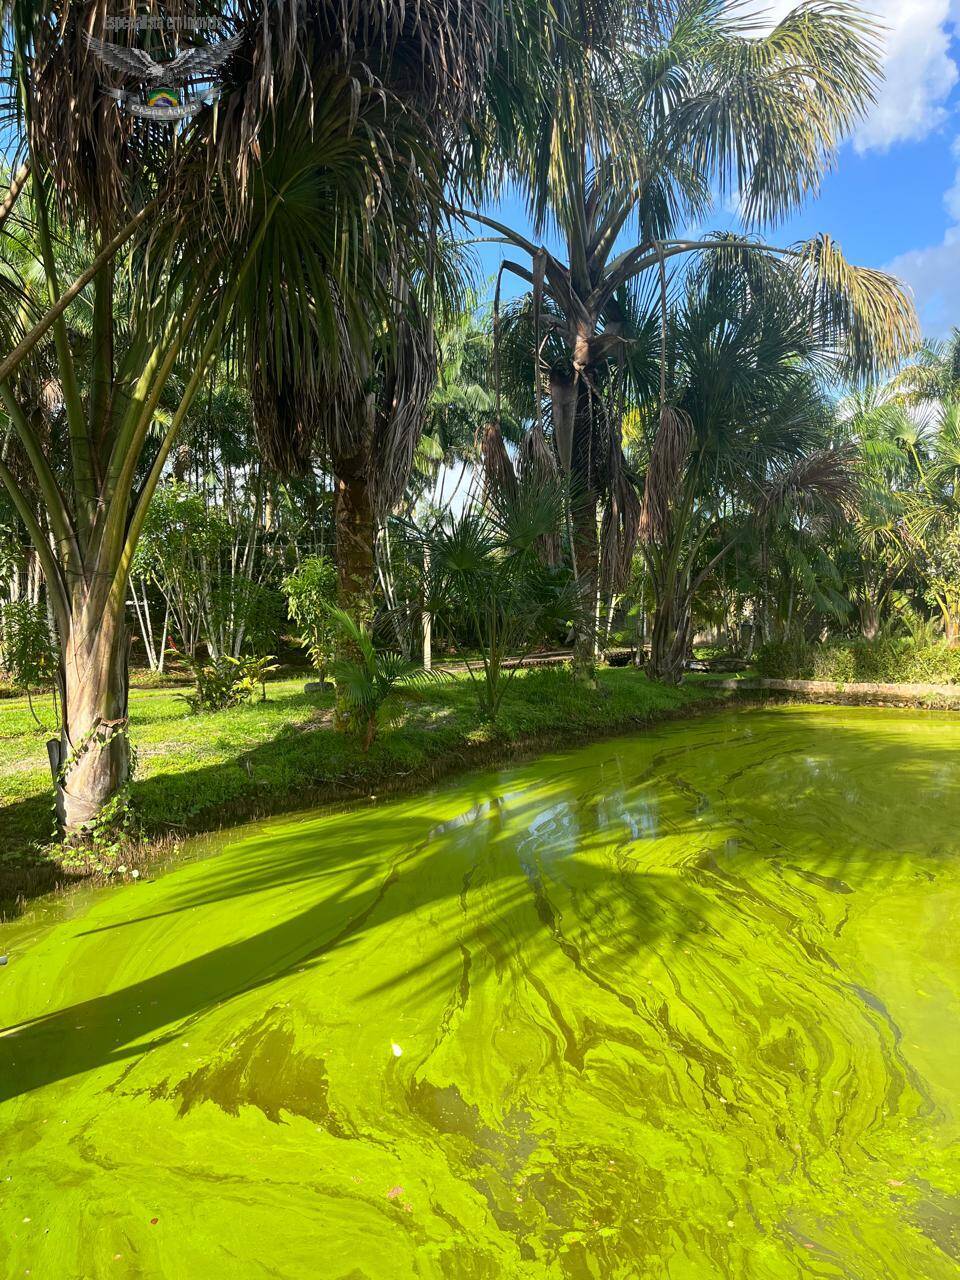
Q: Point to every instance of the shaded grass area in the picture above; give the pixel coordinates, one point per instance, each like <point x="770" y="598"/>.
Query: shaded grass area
<point x="201" y="772"/>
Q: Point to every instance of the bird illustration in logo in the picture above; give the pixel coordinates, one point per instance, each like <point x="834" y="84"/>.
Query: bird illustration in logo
<point x="159" y="84"/>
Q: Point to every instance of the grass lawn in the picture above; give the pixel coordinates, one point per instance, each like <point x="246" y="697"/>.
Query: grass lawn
<point x="201" y="772"/>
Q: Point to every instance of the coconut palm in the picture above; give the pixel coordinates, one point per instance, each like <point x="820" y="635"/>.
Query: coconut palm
<point x="648" y="107"/>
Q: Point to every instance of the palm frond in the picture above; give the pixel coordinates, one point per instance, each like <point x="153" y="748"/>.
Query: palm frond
<point x="671" y="445"/>
<point x="824" y="482"/>
<point x="766" y="112"/>
<point x="864" y="313"/>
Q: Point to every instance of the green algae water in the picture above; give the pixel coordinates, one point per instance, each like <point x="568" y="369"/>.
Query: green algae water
<point x="683" y="1006"/>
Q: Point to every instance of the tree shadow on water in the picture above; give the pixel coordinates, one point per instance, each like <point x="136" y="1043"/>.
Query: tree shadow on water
<point x="339" y="865"/>
<point x="552" y="872"/>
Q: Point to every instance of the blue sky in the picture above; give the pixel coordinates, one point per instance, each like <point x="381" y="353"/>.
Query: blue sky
<point x="893" y="197"/>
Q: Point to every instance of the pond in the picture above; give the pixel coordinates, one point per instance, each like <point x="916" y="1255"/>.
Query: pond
<point x="684" y="1006"/>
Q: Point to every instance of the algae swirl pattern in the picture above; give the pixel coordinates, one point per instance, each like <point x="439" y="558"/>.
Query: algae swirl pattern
<point x="682" y="1006"/>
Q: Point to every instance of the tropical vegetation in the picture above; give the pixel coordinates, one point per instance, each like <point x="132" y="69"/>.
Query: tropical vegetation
<point x="260" y="409"/>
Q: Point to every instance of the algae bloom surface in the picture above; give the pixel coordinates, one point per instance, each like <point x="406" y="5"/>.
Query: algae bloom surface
<point x="683" y="1006"/>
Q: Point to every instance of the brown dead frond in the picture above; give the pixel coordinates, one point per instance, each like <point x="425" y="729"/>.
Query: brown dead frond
<point x="620" y="526"/>
<point x="823" y="484"/>
<point x="538" y="467"/>
<point x="498" y="473"/>
<point x="664" y="472"/>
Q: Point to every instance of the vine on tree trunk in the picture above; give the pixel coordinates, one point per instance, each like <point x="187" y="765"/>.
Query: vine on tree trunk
<point x="98" y="842"/>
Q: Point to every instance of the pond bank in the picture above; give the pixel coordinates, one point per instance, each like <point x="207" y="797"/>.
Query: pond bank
<point x="936" y="697"/>
<point x="203" y="773"/>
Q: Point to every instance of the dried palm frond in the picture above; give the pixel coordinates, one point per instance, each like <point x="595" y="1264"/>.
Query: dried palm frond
<point x="421" y="61"/>
<point x="822" y="483"/>
<point x="664" y="472"/>
<point x="286" y="417"/>
<point x="102" y="162"/>
<point x="538" y="468"/>
<point x="537" y="459"/>
<point x="409" y="377"/>
<point x="620" y="526"/>
<point x="498" y="473"/>
<point x="420" y="65"/>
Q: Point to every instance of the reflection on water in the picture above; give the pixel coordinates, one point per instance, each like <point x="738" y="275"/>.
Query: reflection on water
<point x="680" y="1006"/>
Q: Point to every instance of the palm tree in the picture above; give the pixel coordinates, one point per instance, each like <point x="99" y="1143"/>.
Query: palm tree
<point x="932" y="377"/>
<point x="459" y="409"/>
<point x="373" y="684"/>
<point x="303" y="165"/>
<point x="876" y="553"/>
<point x="742" y="375"/>
<point x="446" y="460"/>
<point x="366" y="410"/>
<point x="645" y="108"/>
<point x="488" y="574"/>
<point x="920" y="432"/>
<point x="932" y="518"/>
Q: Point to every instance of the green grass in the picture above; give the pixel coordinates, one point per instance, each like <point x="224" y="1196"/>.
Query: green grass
<point x="200" y="772"/>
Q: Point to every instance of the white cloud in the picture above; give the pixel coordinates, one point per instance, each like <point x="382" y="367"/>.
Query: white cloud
<point x="913" y="102"/>
<point x="919" y="71"/>
<point x="934" y="276"/>
<point x="952" y="197"/>
<point x="933" y="273"/>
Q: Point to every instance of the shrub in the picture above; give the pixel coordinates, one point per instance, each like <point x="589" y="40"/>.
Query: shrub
<point x="310" y="590"/>
<point x="29" y="651"/>
<point x="785" y="660"/>
<point x="250" y="610"/>
<point x="494" y="568"/>
<point x="372" y="684"/>
<point x="837" y="663"/>
<point x="227" y="682"/>
<point x="886" y="660"/>
<point x="933" y="663"/>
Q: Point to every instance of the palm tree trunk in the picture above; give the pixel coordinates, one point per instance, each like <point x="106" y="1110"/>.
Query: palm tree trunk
<point x="92" y="758"/>
<point x="670" y="634"/>
<point x="951" y="629"/>
<point x="355" y="531"/>
<point x="668" y="643"/>
<point x="586" y="547"/>
<point x="426" y="618"/>
<point x="869" y="618"/>
<point x="355" y="539"/>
